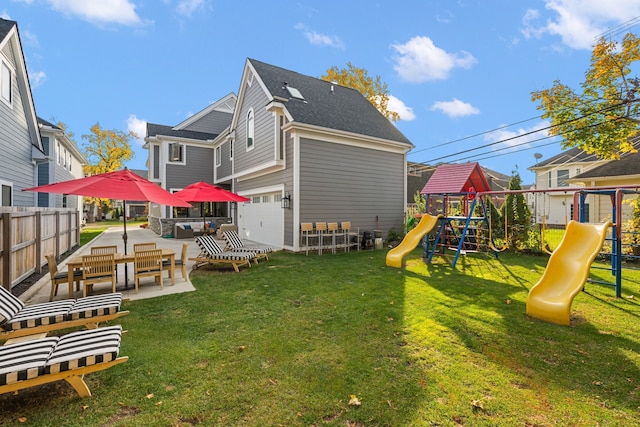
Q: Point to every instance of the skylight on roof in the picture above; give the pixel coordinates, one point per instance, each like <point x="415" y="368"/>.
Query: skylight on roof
<point x="294" y="93"/>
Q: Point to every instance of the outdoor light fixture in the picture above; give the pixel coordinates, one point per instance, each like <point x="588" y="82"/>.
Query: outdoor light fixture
<point x="285" y="202"/>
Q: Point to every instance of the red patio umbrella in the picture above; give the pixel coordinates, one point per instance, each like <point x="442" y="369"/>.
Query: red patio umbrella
<point x="119" y="185"/>
<point x="204" y="192"/>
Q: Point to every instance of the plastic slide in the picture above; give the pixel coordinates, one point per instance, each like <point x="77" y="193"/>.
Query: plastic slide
<point x="411" y="240"/>
<point x="566" y="273"/>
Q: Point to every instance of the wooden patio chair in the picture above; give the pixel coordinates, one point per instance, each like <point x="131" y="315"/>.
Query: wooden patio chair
<point x="58" y="277"/>
<point x="235" y="244"/>
<point x="98" y="269"/>
<point x="144" y="246"/>
<point x="212" y="253"/>
<point x="18" y="320"/>
<point x="69" y="357"/>
<point x="307" y="232"/>
<point x="148" y="263"/>
<point x="111" y="249"/>
<point x="182" y="262"/>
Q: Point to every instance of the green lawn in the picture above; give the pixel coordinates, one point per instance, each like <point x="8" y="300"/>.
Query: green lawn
<point x="289" y="341"/>
<point x="93" y="230"/>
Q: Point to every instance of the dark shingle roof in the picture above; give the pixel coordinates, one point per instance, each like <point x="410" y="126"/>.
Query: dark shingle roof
<point x="47" y="123"/>
<point x="628" y="164"/>
<point x="570" y="156"/>
<point x="5" y="27"/>
<point x="343" y="109"/>
<point x="154" y="129"/>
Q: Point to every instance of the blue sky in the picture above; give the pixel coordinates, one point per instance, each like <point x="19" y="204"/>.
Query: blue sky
<point x="454" y="69"/>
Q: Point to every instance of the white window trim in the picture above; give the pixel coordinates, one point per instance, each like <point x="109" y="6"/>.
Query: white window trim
<point x="184" y="154"/>
<point x="218" y="156"/>
<point x="8" y="184"/>
<point x="250" y="131"/>
<point x="12" y="72"/>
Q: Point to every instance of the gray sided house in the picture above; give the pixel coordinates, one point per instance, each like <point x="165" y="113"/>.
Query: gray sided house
<point x="20" y="142"/>
<point x="183" y="154"/>
<point x="322" y="146"/>
<point x="64" y="162"/>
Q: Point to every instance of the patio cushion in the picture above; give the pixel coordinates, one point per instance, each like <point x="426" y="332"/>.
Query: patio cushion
<point x="9" y="305"/>
<point x="212" y="250"/>
<point x="39" y="314"/>
<point x="95" y="305"/>
<point x="84" y="348"/>
<point x="24" y="360"/>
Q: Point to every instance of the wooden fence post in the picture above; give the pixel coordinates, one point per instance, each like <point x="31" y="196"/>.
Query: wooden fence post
<point x="38" y="220"/>
<point x="6" y="250"/>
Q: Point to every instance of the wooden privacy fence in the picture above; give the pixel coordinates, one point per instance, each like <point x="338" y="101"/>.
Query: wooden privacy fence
<point x="28" y="234"/>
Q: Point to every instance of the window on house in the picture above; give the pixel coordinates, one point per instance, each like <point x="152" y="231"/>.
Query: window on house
<point x="70" y="158"/>
<point x="549" y="183"/>
<point x="5" y="84"/>
<point x="231" y="149"/>
<point x="250" y="130"/>
<point x="586" y="212"/>
<point x="266" y="198"/>
<point x="176" y="153"/>
<point x="255" y="199"/>
<point x="294" y="93"/>
<point x="563" y="176"/>
<point x="281" y="138"/>
<point x="7" y="194"/>
<point x="59" y="153"/>
<point x="64" y="159"/>
<point x="64" y="201"/>
<point x="218" y="156"/>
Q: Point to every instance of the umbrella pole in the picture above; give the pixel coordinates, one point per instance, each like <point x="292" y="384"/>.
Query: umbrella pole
<point x="124" y="238"/>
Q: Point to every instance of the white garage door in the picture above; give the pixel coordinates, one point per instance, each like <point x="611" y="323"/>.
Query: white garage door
<point x="262" y="220"/>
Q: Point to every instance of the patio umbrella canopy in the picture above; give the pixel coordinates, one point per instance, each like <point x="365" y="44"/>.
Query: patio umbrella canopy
<point x="119" y="185"/>
<point x="204" y="192"/>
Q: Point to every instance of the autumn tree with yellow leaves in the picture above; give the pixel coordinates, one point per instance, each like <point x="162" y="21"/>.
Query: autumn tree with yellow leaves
<point x="602" y="118"/>
<point x="106" y="151"/>
<point x="372" y="88"/>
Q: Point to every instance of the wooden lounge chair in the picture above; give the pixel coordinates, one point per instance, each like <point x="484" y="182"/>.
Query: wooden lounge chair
<point x="18" y="320"/>
<point x="235" y="244"/>
<point x="212" y="253"/>
<point x="34" y="362"/>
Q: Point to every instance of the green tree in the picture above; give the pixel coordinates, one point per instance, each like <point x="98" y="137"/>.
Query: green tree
<point x="373" y="89"/>
<point x="602" y="118"/>
<point x="517" y="214"/>
<point x="105" y="151"/>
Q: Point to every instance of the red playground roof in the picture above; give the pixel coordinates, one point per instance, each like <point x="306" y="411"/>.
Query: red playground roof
<point x="452" y="179"/>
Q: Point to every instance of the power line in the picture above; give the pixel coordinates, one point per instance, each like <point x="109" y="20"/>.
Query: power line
<point x="534" y="131"/>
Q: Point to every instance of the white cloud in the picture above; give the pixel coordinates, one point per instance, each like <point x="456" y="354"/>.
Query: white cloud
<point x="396" y="105"/>
<point x="579" y="22"/>
<point x="455" y="108"/>
<point x="188" y="7"/>
<point x="419" y="60"/>
<point x="318" y="39"/>
<point x="5" y="15"/>
<point x="522" y="137"/>
<point x="137" y="126"/>
<point x="36" y="78"/>
<point x="99" y="12"/>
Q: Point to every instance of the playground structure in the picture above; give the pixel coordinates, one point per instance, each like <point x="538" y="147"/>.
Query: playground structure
<point x="471" y="230"/>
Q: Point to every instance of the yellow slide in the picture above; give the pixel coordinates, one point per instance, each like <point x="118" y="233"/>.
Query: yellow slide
<point x="411" y="240"/>
<point x="566" y="273"/>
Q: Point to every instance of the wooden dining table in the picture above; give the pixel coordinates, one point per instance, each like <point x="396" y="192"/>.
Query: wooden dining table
<point x="120" y="258"/>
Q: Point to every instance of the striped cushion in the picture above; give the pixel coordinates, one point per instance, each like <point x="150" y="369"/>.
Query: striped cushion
<point x="85" y="348"/>
<point x="234" y="243"/>
<point x="95" y="305"/>
<point x="9" y="305"/>
<point x="25" y="360"/>
<point x="39" y="314"/>
<point x="212" y="250"/>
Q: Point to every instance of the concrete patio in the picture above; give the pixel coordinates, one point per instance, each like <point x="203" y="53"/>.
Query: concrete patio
<point x="40" y="291"/>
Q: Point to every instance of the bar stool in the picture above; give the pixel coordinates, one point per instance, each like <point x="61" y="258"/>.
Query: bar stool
<point x="321" y="231"/>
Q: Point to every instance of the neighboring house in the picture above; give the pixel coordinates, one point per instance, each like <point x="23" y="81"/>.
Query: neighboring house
<point x="64" y="162"/>
<point x="183" y="154"/>
<point x="133" y="208"/>
<point x="20" y="142"/>
<point x="574" y="169"/>
<point x="303" y="150"/>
